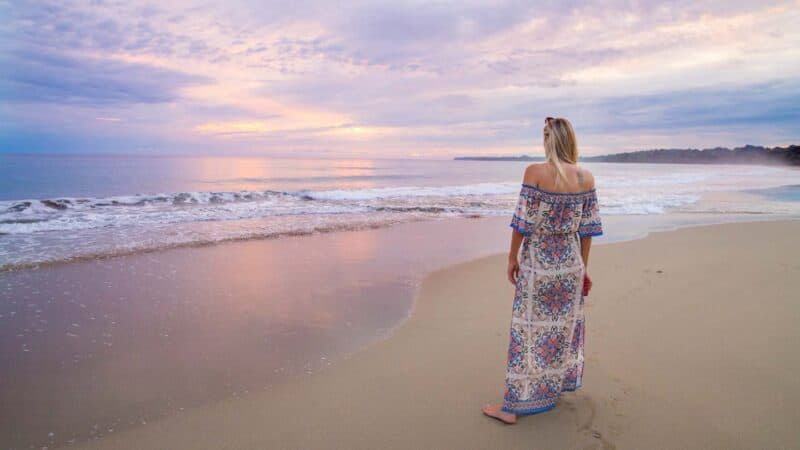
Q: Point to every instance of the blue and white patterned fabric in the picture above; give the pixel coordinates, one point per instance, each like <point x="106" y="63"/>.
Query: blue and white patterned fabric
<point x="545" y="353"/>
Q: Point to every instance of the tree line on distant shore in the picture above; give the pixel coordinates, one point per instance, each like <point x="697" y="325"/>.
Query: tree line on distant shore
<point x="749" y="154"/>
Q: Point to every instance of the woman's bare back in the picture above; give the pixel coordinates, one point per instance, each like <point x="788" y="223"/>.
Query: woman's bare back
<point x="543" y="176"/>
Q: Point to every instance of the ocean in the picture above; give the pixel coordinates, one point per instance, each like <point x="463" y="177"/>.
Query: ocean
<point x="57" y="208"/>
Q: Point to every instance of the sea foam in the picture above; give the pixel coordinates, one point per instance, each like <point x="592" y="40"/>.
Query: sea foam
<point x="34" y="231"/>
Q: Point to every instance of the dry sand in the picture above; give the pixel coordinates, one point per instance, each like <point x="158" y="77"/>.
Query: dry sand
<point x="692" y="340"/>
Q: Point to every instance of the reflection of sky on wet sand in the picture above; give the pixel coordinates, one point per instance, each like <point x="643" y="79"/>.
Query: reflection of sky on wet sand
<point x="121" y="341"/>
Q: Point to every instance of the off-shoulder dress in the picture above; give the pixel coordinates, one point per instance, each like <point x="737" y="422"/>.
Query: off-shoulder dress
<point x="545" y="353"/>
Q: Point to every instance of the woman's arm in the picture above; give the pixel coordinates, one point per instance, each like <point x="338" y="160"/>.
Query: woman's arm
<point x="513" y="263"/>
<point x="586" y="245"/>
<point x="516" y="237"/>
<point x="587" y="180"/>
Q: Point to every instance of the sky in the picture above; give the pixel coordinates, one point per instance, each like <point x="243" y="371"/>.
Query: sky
<point x="395" y="79"/>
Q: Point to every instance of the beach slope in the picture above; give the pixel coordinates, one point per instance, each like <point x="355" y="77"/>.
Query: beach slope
<point x="691" y="342"/>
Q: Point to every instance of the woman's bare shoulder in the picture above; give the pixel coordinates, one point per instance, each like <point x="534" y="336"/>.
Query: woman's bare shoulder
<point x="585" y="178"/>
<point x="533" y="174"/>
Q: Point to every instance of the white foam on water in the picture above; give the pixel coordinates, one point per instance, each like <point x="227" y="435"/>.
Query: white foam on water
<point x="416" y="191"/>
<point x="34" y="231"/>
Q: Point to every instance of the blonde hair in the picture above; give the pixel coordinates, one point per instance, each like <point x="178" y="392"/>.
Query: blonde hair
<point x="561" y="145"/>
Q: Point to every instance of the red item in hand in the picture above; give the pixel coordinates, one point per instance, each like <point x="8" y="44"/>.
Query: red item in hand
<point x="587" y="284"/>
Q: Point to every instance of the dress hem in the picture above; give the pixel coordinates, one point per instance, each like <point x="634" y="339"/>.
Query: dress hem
<point x="537" y="410"/>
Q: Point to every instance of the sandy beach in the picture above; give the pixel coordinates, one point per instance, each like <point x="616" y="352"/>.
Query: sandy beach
<point x="691" y="338"/>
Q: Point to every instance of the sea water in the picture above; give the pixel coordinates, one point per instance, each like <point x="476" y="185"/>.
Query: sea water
<point x="56" y="208"/>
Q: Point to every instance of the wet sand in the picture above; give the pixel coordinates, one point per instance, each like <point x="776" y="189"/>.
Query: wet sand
<point x="691" y="343"/>
<point x="92" y="348"/>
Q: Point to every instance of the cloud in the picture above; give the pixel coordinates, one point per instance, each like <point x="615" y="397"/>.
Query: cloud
<point x="757" y="104"/>
<point x="402" y="77"/>
<point x="43" y="77"/>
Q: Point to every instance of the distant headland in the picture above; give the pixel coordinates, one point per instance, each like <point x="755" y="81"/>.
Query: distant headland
<point x="749" y="154"/>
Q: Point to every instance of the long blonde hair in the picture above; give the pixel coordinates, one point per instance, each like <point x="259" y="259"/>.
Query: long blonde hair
<point x="561" y="144"/>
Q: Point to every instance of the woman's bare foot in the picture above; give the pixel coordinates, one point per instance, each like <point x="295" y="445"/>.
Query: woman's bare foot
<point x="497" y="412"/>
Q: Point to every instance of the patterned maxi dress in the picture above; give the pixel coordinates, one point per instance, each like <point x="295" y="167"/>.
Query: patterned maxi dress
<point x="545" y="353"/>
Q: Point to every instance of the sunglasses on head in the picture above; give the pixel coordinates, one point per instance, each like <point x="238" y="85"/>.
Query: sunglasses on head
<point x="547" y="120"/>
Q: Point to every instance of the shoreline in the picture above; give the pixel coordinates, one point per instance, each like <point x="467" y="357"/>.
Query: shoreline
<point x="738" y="217"/>
<point x="121" y="253"/>
<point x="422" y="378"/>
<point x="748" y="203"/>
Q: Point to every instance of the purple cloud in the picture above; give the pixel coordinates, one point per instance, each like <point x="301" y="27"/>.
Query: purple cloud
<point x="52" y="78"/>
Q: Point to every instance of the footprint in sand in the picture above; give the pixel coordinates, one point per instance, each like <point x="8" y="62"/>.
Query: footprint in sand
<point x="587" y="426"/>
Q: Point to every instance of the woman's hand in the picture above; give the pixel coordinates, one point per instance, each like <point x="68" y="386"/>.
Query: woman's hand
<point x="587" y="284"/>
<point x="513" y="270"/>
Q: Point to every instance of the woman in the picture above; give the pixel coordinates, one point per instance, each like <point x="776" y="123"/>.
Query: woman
<point x="555" y="219"/>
